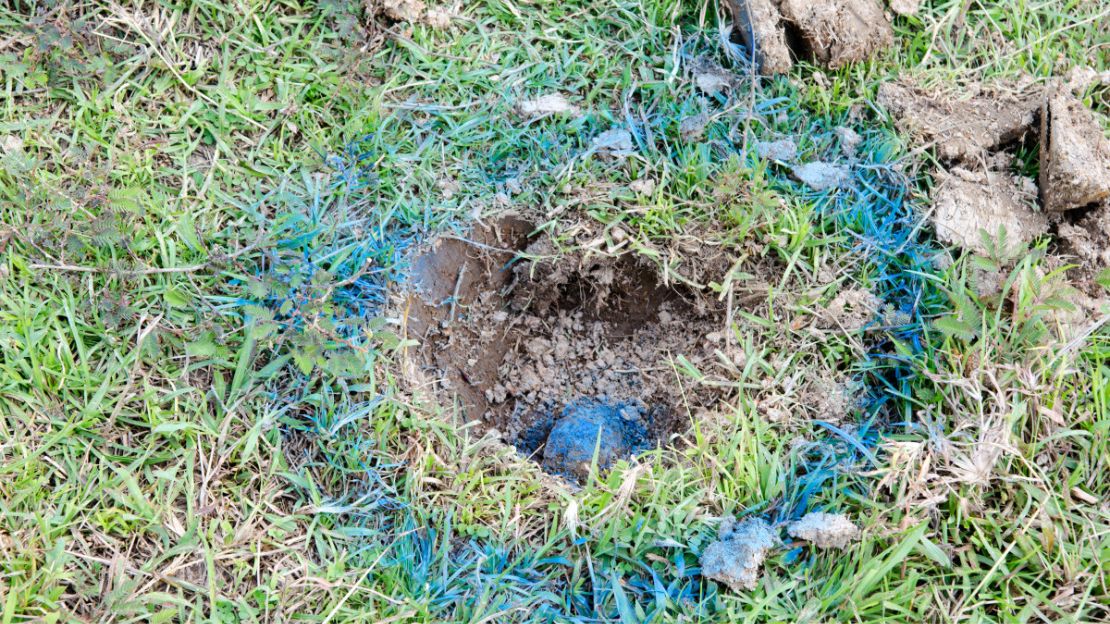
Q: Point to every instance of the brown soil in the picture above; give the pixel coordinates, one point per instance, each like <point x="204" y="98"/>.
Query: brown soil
<point x="838" y="32"/>
<point x="759" y="24"/>
<point x="1083" y="239"/>
<point x="1075" y="154"/>
<point x="966" y="203"/>
<point x="519" y="332"/>
<point x="961" y="129"/>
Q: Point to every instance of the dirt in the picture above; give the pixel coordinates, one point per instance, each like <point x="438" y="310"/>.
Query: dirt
<point x="614" y="144"/>
<point x="966" y="203"/>
<point x="961" y="129"/>
<point x="839" y="32"/>
<point x="550" y="104"/>
<point x="905" y="7"/>
<point x="759" y="25"/>
<point x="784" y="150"/>
<point x="822" y="176"/>
<point x="736" y="558"/>
<point x="824" y="530"/>
<point x="1083" y="241"/>
<point x="520" y="332"/>
<point x="851" y="310"/>
<point x="1074" y="152"/>
<point x="691" y="128"/>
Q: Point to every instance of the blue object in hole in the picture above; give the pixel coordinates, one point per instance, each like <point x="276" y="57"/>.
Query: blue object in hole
<point x="615" y="431"/>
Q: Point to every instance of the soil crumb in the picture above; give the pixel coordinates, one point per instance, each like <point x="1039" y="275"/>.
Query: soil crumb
<point x="905" y="7"/>
<point x="550" y="104"/>
<point x="838" y="32"/>
<point x="1075" y="154"/>
<point x="961" y="129"/>
<point x="616" y="144"/>
<point x="822" y="176"/>
<point x="710" y="77"/>
<point x="759" y="25"/>
<point x="691" y="128"/>
<point x="966" y="203"/>
<point x="539" y="344"/>
<point x="613" y="431"/>
<point x="849" y="140"/>
<point x="736" y="558"/>
<point x="824" y="530"/>
<point x="850" y="310"/>
<point x="783" y="150"/>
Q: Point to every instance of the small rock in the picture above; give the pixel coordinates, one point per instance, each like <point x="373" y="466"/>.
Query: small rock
<point x="736" y="558"/>
<point x="824" y="530"/>
<point x="782" y="149"/>
<point x="822" y="176"/>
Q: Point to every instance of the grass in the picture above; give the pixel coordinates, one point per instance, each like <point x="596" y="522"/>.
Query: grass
<point x="204" y="206"/>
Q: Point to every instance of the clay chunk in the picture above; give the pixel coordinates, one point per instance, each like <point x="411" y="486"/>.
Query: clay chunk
<point x="967" y="203"/>
<point x="759" y="24"/>
<point x="838" y="32"/>
<point x="1075" y="155"/>
<point x="961" y="129"/>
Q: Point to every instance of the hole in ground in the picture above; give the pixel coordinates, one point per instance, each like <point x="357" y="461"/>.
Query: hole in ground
<point x="565" y="354"/>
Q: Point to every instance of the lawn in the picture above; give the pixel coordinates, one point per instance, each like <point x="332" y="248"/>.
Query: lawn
<point x="208" y="218"/>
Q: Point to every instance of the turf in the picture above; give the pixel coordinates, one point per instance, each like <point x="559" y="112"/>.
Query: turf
<point x="205" y="208"/>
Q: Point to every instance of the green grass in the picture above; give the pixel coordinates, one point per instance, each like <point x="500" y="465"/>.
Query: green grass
<point x="175" y="446"/>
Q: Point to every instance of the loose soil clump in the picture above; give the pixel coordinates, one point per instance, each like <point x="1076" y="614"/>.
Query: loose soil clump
<point x="1075" y="155"/>
<point x="736" y="558"/>
<point x="839" y="32"/>
<point x="831" y="32"/>
<point x="965" y="203"/>
<point x="556" y="352"/>
<point x="960" y="129"/>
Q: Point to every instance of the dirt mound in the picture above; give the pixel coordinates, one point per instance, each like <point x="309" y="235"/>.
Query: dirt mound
<point x="525" y="337"/>
<point x="838" y="32"/>
<point x="965" y="203"/>
<point x="1075" y="154"/>
<point x="960" y="129"/>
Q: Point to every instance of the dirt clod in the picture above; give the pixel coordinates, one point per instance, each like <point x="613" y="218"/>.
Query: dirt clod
<point x="691" y="128"/>
<point x="838" y="32"/>
<point x="1075" y="154"/>
<point x="782" y="149"/>
<point x="759" y="24"/>
<point x="550" y="104"/>
<point x="616" y="144"/>
<point x="960" y="129"/>
<point x="967" y="203"/>
<point x="736" y="558"/>
<point x="824" y="530"/>
<point x="905" y="7"/>
<point x="823" y="176"/>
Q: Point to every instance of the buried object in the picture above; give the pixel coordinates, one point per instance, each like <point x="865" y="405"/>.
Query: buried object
<point x="558" y="353"/>
<point x="588" y="428"/>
